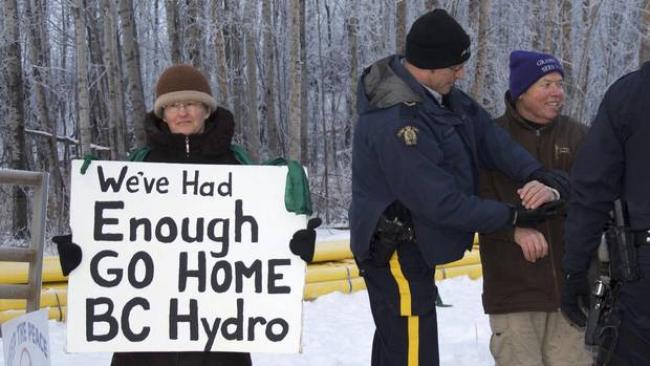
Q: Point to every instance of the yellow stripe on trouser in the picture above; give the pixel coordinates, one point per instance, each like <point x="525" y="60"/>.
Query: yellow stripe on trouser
<point x="405" y="310"/>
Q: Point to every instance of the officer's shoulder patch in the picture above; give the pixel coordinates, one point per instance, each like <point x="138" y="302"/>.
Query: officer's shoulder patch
<point x="409" y="135"/>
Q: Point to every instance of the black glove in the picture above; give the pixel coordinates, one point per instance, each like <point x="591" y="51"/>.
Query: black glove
<point x="523" y="217"/>
<point x="303" y="241"/>
<point x="575" y="298"/>
<point x="556" y="179"/>
<point x="69" y="253"/>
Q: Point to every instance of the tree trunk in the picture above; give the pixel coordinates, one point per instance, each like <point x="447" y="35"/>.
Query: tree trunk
<point x="590" y="14"/>
<point x="353" y="76"/>
<point x="431" y="4"/>
<point x="174" y="31"/>
<point x="644" y="50"/>
<point x="83" y="119"/>
<point x="552" y="26"/>
<point x="250" y="39"/>
<point x="481" y="52"/>
<point x="220" y="49"/>
<point x="272" y="134"/>
<point x="566" y="51"/>
<point x="304" y="101"/>
<point x="99" y="104"/>
<point x="15" y="117"/>
<point x="193" y="29"/>
<point x="116" y="123"/>
<point x="400" y="26"/>
<point x="295" y="72"/>
<point x="40" y="63"/>
<point x="135" y="93"/>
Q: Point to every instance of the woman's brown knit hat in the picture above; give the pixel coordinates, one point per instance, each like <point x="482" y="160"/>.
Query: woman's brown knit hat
<point x="180" y="83"/>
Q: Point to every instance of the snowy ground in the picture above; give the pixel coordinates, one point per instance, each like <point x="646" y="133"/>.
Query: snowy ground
<point x="338" y="331"/>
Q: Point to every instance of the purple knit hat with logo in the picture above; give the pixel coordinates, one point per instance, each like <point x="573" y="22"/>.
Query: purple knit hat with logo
<point x="526" y="67"/>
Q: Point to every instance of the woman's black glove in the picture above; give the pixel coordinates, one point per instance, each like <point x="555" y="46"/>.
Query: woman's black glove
<point x="575" y="298"/>
<point x="303" y="241"/>
<point x="69" y="253"/>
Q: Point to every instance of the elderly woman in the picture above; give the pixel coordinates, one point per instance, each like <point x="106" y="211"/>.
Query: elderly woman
<point x="186" y="126"/>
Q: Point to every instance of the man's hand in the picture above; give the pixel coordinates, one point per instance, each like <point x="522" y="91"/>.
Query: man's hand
<point x="534" y="194"/>
<point x="303" y="241"/>
<point x="532" y="242"/>
<point x="69" y="253"/>
<point x="555" y="179"/>
<point x="575" y="298"/>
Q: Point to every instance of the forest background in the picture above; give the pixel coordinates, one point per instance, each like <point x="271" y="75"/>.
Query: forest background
<point x="78" y="76"/>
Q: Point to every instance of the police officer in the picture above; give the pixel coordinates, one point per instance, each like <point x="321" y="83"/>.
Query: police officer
<point x="417" y="148"/>
<point x="611" y="164"/>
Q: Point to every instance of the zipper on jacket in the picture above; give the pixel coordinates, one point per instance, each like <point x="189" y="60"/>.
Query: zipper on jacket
<point x="187" y="146"/>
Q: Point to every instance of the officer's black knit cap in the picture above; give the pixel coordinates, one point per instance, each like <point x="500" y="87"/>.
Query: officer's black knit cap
<point x="436" y="41"/>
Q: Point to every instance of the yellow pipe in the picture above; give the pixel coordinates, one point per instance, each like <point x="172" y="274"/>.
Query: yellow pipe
<point x="332" y="251"/>
<point x="329" y="271"/>
<point x="54" y="313"/>
<point x="16" y="272"/>
<point x="473" y="271"/>
<point x="316" y="289"/>
<point x="50" y="297"/>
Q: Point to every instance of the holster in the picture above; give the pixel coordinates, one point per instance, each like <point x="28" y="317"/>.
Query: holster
<point x="394" y="228"/>
<point x="623" y="257"/>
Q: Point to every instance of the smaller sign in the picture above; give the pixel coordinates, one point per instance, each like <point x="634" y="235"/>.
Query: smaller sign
<point x="26" y="340"/>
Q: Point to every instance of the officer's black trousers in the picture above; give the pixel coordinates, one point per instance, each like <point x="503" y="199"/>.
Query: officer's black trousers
<point x="633" y="344"/>
<point x="402" y="299"/>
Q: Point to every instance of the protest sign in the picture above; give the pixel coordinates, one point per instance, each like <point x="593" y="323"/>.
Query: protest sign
<point x="180" y="257"/>
<point x="26" y="340"/>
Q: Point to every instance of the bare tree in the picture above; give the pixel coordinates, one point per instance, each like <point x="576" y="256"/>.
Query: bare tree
<point x="431" y="4"/>
<point x="15" y="117"/>
<point x="250" y="40"/>
<point x="220" y="49"/>
<point x="174" y="30"/>
<point x="400" y="26"/>
<point x="117" y="120"/>
<point x="482" y="67"/>
<point x="194" y="34"/>
<point x="552" y="23"/>
<point x="271" y="130"/>
<point x="83" y="119"/>
<point x="353" y="76"/>
<point x="39" y="56"/>
<point x="135" y="93"/>
<point x="295" y="67"/>
<point x="644" y="50"/>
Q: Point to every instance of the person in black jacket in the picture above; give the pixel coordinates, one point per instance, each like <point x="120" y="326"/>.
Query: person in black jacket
<point x="187" y="126"/>
<point x="613" y="164"/>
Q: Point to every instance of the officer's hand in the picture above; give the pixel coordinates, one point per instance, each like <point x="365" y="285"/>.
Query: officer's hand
<point x="303" y="241"/>
<point x="534" y="194"/>
<point x="575" y="298"/>
<point x="532" y="242"/>
<point x="69" y="253"/>
<point x="521" y="217"/>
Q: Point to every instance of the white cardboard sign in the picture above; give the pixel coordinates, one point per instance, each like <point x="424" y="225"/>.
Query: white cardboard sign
<point x="26" y="340"/>
<point x="180" y="257"/>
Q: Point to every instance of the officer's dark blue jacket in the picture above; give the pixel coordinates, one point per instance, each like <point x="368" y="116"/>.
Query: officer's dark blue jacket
<point x="437" y="177"/>
<point x="613" y="162"/>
